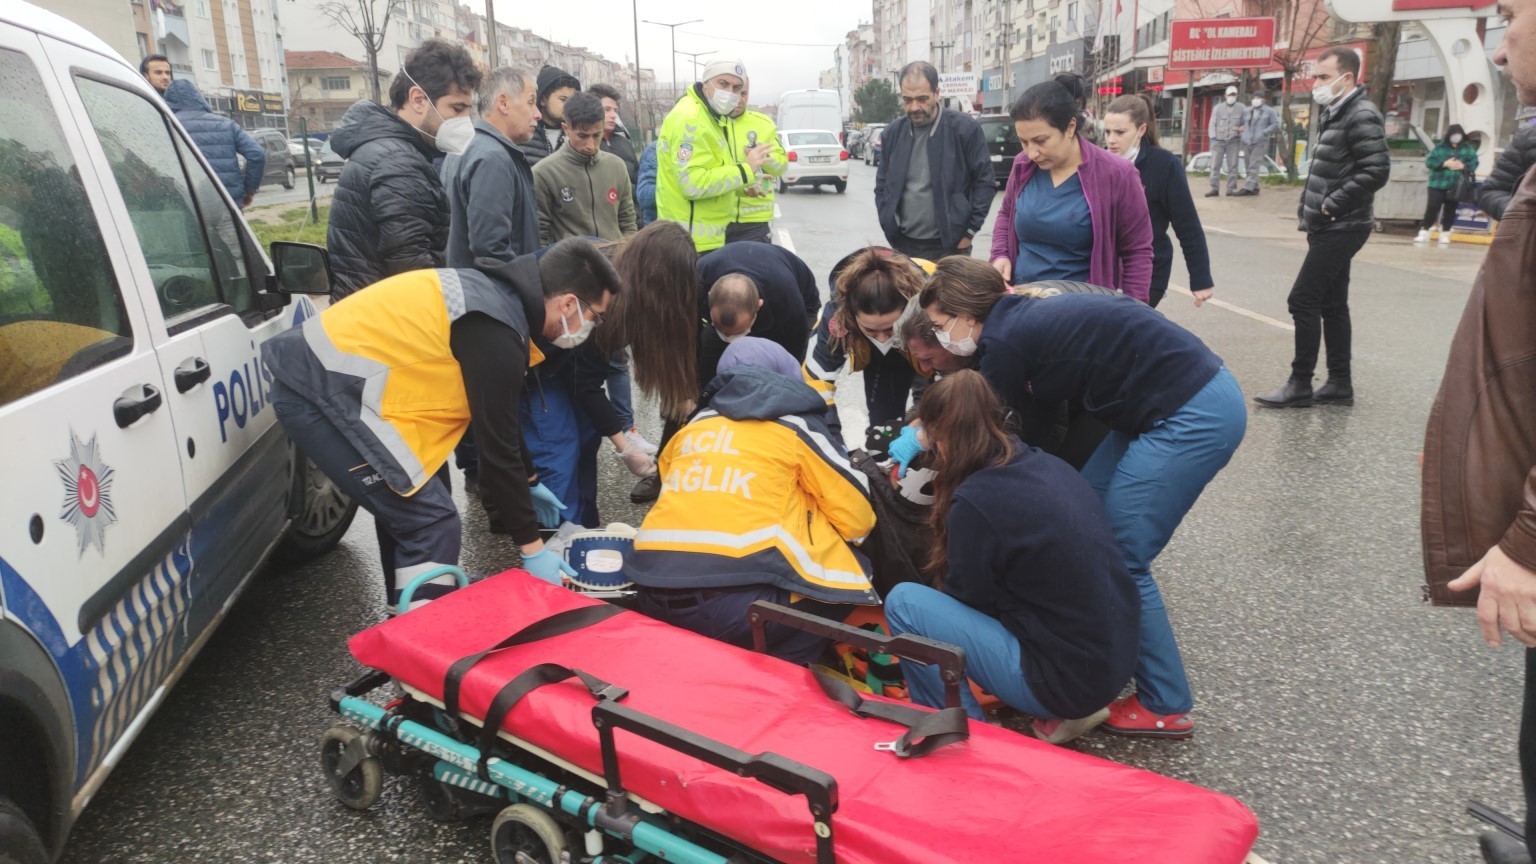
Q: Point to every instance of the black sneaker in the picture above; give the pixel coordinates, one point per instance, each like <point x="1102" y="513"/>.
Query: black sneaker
<point x="1213" y="193"/>
<point x="471" y="485"/>
<point x="647" y="490"/>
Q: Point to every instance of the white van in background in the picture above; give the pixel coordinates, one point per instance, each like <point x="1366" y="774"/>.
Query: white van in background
<point x="811" y="109"/>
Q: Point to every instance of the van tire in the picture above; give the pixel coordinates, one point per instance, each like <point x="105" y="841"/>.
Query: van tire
<point x="19" y="841"/>
<point x="288" y="178"/>
<point x="324" y="515"/>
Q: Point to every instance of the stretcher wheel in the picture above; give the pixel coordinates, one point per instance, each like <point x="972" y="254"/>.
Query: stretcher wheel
<point x="361" y="786"/>
<point x="525" y="829"/>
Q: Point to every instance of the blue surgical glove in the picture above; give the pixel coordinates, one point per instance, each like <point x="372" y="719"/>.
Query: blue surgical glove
<point x="546" y="566"/>
<point x="546" y="506"/>
<point x="905" y="448"/>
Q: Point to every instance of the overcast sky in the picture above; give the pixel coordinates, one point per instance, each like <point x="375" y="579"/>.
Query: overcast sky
<point x="607" y="27"/>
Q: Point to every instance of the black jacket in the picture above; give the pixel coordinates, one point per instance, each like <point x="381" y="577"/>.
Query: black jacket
<point x="963" y="181"/>
<point x="390" y="213"/>
<point x="1512" y="164"/>
<point x="1169" y="202"/>
<point x="539" y="145"/>
<point x="786" y="286"/>
<point x="1349" y="163"/>
<point x="550" y="78"/>
<point x="619" y="145"/>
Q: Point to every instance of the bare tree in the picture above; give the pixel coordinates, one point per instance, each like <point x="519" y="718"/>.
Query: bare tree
<point x="1300" y="23"/>
<point x="1384" y="57"/>
<point x="368" y="22"/>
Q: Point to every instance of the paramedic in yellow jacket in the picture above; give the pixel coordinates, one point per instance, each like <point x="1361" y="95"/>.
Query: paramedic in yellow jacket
<point x="698" y="175"/>
<point x="754" y="204"/>
<point x="378" y="389"/>
<point x="757" y="503"/>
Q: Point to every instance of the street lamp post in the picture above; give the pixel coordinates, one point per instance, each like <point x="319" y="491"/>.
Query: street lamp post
<point x="673" y="28"/>
<point x="694" y="56"/>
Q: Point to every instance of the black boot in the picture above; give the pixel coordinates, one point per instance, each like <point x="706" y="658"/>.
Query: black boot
<point x="1297" y="393"/>
<point x="647" y="490"/>
<point x="1500" y="848"/>
<point x="1338" y="391"/>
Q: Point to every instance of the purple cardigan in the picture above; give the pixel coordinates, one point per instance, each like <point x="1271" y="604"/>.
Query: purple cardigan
<point x="1122" y="230"/>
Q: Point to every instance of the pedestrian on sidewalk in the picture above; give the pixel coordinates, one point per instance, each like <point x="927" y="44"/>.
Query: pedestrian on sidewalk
<point x="1349" y="163"/>
<point x="1260" y="122"/>
<point x="1479" y="483"/>
<point x="1129" y="132"/>
<point x="1226" y="134"/>
<point x="1453" y="158"/>
<point x="1071" y="211"/>
<point x="221" y="140"/>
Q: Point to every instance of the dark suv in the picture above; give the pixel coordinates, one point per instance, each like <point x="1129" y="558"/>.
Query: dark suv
<point x="1002" y="144"/>
<point x="279" y="160"/>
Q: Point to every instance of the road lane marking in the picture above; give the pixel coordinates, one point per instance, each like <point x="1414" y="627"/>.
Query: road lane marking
<point x="1222" y="231"/>
<point x="1246" y="313"/>
<point x="777" y="213"/>
<point x="785" y="241"/>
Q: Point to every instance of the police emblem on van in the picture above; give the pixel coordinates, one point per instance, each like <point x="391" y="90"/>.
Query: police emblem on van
<point x="567" y="194"/>
<point x="87" y="493"/>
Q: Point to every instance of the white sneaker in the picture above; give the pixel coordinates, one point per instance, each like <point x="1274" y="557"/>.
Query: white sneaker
<point x="1422" y="236"/>
<point x="634" y="438"/>
<point x="1445" y="238"/>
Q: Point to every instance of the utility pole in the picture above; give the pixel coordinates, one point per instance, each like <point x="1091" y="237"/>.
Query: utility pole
<point x="695" y="58"/>
<point x="944" y="57"/>
<point x="634" y="9"/>
<point x="673" y="28"/>
<point x="490" y="24"/>
<point x="1007" y="56"/>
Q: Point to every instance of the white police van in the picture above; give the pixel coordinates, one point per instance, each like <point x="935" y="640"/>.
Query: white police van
<point x="145" y="479"/>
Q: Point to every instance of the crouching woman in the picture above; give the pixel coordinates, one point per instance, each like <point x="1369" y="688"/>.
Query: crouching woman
<point x="757" y="502"/>
<point x="1032" y="584"/>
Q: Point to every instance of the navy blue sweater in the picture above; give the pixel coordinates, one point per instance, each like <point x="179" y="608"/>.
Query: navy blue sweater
<point x="1030" y="545"/>
<point x="1169" y="202"/>
<point x="1120" y="359"/>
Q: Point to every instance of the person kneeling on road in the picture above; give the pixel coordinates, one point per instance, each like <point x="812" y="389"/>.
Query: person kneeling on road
<point x="1032" y="584"/>
<point x="378" y="389"/>
<point x="756" y="503"/>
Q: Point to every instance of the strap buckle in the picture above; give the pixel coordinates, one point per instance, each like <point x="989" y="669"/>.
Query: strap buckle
<point x="897" y="747"/>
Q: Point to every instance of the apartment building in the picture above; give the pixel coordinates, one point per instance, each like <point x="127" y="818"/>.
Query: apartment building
<point x="324" y="84"/>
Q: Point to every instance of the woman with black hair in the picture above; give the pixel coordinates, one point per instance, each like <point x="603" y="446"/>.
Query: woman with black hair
<point x="1071" y="211"/>
<point x="1451" y="158"/>
<point x="1130" y="134"/>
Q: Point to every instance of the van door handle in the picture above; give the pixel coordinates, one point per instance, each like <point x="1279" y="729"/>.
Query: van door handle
<point x="192" y="372"/>
<point x="136" y="403"/>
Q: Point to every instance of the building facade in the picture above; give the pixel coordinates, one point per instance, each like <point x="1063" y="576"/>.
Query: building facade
<point x="324" y="84"/>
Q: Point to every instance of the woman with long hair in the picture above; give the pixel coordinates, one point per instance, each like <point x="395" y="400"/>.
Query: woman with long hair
<point x="1071" y="211"/>
<point x="1029" y="580"/>
<point x="1130" y="133"/>
<point x="1175" y="417"/>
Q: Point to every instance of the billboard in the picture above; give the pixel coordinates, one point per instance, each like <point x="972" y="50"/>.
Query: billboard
<point x="1221" y="43"/>
<point x="961" y="84"/>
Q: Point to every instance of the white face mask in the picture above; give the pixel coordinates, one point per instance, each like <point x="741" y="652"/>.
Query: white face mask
<point x="886" y="346"/>
<point x="1323" y="94"/>
<point x="454" y="135"/>
<point x="569" y="340"/>
<point x="1257" y="102"/>
<point x="724" y="101"/>
<point x="958" y="347"/>
<point x="1130" y="155"/>
<point x="1231" y="98"/>
<point x="1455" y="139"/>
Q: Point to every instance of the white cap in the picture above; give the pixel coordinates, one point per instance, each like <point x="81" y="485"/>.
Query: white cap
<point x="725" y="67"/>
<point x="1232" y="91"/>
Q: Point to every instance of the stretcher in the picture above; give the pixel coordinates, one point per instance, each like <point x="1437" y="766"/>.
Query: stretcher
<point x="603" y="736"/>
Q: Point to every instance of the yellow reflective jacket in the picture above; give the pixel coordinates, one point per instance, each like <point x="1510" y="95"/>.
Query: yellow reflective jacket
<point x="749" y="130"/>
<point x="696" y="176"/>
<point x="755" y="491"/>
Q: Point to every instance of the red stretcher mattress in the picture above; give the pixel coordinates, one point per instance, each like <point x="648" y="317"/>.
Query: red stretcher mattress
<point x="999" y="796"/>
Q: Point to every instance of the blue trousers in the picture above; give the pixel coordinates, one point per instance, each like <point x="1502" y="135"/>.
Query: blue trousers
<point x="620" y="393"/>
<point x="563" y="444"/>
<point x="992" y="656"/>
<point x="1147" y="483"/>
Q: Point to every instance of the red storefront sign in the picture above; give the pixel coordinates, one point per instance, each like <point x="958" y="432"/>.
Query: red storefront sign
<point x="1221" y="43"/>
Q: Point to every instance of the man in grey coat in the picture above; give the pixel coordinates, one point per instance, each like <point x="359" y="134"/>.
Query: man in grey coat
<point x="1260" y="122"/>
<point x="1226" y="141"/>
<point x="490" y="186"/>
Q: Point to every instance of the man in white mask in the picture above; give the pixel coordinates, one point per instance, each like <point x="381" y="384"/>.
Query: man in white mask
<point x="1260" y="122"/>
<point x="391" y="212"/>
<point x="1225" y="131"/>
<point x="697" y="174"/>
<point x="1349" y="163"/>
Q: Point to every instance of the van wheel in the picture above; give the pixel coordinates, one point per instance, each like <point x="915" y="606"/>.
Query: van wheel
<point x="841" y="185"/>
<point x="325" y="514"/>
<point x="19" y="840"/>
<point x="322" y="177"/>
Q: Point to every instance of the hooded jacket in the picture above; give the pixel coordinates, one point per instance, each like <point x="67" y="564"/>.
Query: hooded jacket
<point x="490" y="200"/>
<point x="583" y="196"/>
<point x="1349" y="163"/>
<point x="756" y="492"/>
<point x="390" y="212"/>
<point x="220" y="139"/>
<point x="546" y="139"/>
<point x="1494" y="194"/>
<point x="696" y="177"/>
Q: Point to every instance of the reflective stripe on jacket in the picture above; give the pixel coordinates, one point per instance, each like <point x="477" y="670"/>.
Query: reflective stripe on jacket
<point x="379" y="365"/>
<point x="696" y="178"/>
<point x="749" y="130"/>
<point x="756" y="491"/>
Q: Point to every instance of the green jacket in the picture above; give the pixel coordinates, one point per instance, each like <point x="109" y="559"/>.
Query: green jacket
<point x="749" y="130"/>
<point x="583" y="196"/>
<point x="696" y="177"/>
<point x="1445" y="178"/>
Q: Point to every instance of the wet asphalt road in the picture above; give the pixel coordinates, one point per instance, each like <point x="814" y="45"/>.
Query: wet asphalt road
<point x="1352" y="718"/>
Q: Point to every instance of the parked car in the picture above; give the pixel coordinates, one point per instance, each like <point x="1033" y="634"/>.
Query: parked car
<point x="280" y="164"/>
<point x="1002" y="144"/>
<point x="872" y="143"/>
<point x="147" y="479"/>
<point x="1201" y="164"/>
<point x="296" y="148"/>
<point x="815" y="158"/>
<point x="855" y="140"/>
<point x="328" y="164"/>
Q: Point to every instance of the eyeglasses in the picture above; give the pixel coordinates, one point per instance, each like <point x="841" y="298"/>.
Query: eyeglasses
<point x="597" y="317"/>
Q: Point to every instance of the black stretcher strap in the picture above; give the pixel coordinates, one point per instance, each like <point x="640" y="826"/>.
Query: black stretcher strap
<point x="926" y="732"/>
<point x="554" y="625"/>
<point x="529" y="680"/>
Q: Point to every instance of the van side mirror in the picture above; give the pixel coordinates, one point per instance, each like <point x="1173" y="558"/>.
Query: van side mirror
<point x="302" y="268"/>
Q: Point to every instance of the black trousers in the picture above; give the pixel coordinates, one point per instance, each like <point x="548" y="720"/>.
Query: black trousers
<point x="928" y="250"/>
<point x="757" y="232"/>
<point x="722" y="614"/>
<point x="1319" y="301"/>
<point x="1528" y="746"/>
<point x="1440" y="200"/>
